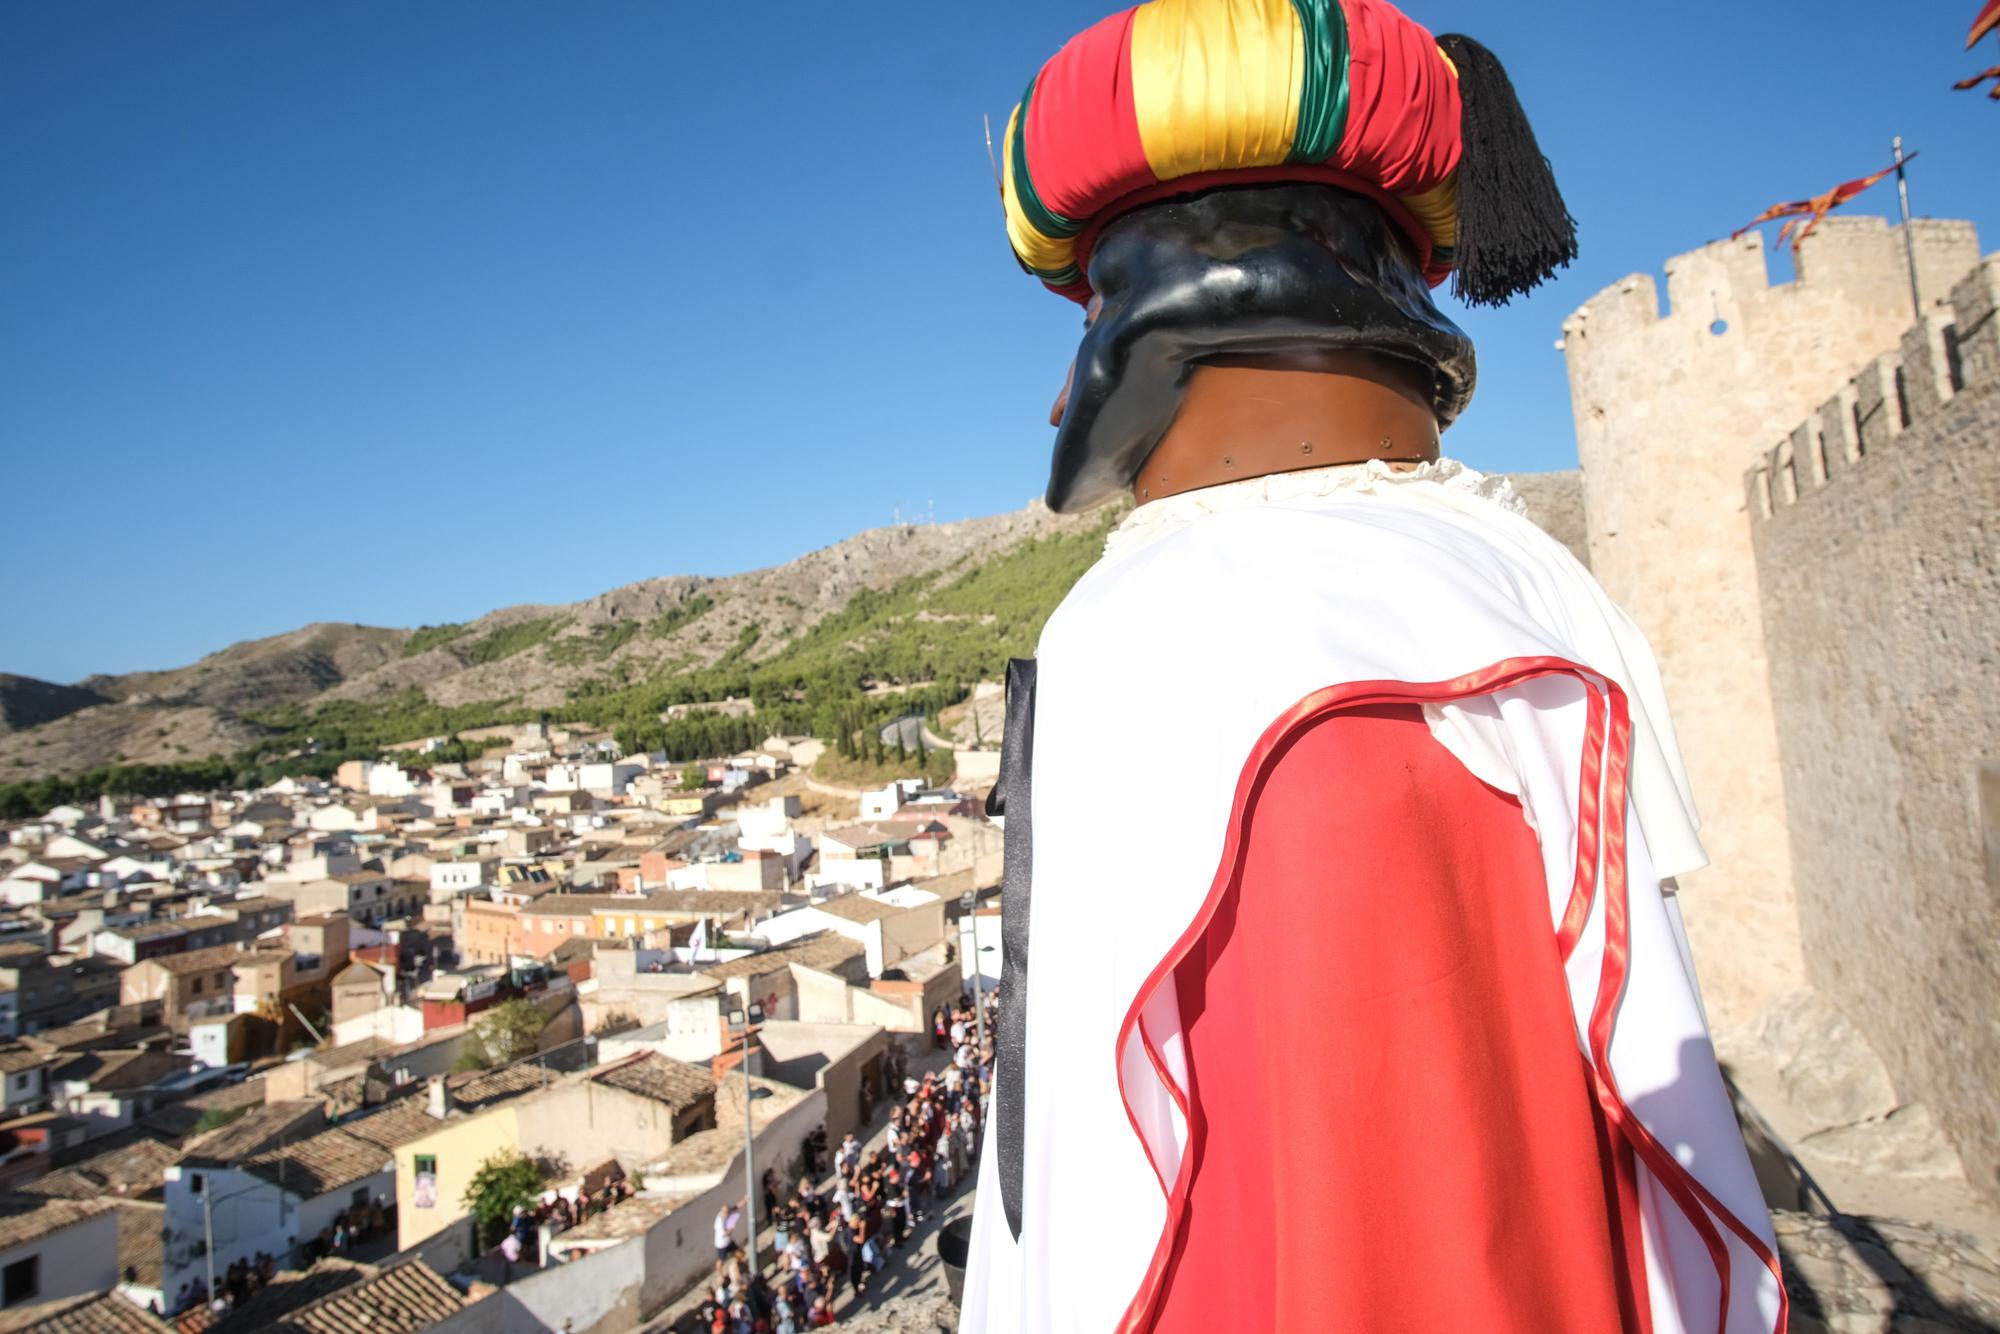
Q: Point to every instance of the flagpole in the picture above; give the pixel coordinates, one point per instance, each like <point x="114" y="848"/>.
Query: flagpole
<point x="1909" y="241"/>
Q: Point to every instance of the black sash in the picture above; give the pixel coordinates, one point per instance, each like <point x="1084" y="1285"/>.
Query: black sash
<point x="1010" y="799"/>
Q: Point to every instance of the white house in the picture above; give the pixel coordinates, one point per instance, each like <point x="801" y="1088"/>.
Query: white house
<point x="388" y="780"/>
<point x="884" y="804"/>
<point x="272" y="1202"/>
<point x="460" y="877"/>
<point x="608" y="779"/>
<point x="888" y="933"/>
<point x="56" y="1248"/>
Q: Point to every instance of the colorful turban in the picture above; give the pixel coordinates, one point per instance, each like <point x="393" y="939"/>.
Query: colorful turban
<point x="1177" y="96"/>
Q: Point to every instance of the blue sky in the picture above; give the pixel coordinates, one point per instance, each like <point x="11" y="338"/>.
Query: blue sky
<point x="396" y="313"/>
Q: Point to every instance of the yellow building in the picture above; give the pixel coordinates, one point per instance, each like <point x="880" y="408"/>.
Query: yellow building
<point x="631" y="1110"/>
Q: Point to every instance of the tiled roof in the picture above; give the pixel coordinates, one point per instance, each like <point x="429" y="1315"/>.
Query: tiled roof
<point x="325" y="1162"/>
<point x="120" y="1071"/>
<point x="131" y="1169"/>
<point x="708" y="1150"/>
<point x="858" y="908"/>
<point x="405" y="1300"/>
<point x="259" y="1130"/>
<point x="14" y="1059"/>
<point x="141" y="1247"/>
<point x="288" y="1291"/>
<point x="661" y="1078"/>
<point x="885" y="831"/>
<point x="398" y="1124"/>
<point x="197" y="961"/>
<point x="26" y="1217"/>
<point x="821" y="949"/>
<point x="92" y="1313"/>
<point x="483" y="1090"/>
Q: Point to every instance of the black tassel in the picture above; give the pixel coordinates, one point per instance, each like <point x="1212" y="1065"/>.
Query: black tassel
<point x="1514" y="231"/>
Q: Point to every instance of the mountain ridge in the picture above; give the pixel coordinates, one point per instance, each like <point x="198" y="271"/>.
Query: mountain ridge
<point x="534" y="655"/>
<point x="626" y="649"/>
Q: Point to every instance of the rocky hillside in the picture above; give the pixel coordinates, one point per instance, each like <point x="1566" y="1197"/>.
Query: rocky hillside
<point x="533" y="657"/>
<point x="26" y="702"/>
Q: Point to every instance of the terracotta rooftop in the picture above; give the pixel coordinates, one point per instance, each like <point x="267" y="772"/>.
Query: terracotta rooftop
<point x="393" y="1126"/>
<point x="661" y="1078"/>
<point x="14" y="1059"/>
<point x="708" y="1150"/>
<point x="119" y="1071"/>
<point x="92" y="1313"/>
<point x="258" y="1130"/>
<point x="858" y="908"/>
<point x="405" y="1300"/>
<point x="885" y="831"/>
<point x="140" y="1246"/>
<point x="200" y="961"/>
<point x="129" y="1170"/>
<point x="821" y="949"/>
<point x="325" y="1162"/>
<point x="472" y="1092"/>
<point x="625" y="1219"/>
<point x="26" y="1217"/>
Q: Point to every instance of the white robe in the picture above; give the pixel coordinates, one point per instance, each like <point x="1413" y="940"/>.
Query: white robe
<point x="1210" y="615"/>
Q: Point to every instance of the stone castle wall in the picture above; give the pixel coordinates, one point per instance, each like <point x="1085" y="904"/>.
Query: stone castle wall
<point x="1876" y="527"/>
<point x="1670" y="409"/>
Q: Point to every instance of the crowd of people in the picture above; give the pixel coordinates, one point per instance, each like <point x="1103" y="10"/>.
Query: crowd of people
<point x="240" y="1282"/>
<point x="531" y="1229"/>
<point x="244" y="1278"/>
<point x="836" y="1234"/>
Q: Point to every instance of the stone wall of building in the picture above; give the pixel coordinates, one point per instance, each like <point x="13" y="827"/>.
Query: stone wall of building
<point x="1876" y="527"/>
<point x="1670" y="409"/>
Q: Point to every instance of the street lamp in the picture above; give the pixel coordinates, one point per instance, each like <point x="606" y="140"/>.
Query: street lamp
<point x="738" y="1027"/>
<point x="966" y="901"/>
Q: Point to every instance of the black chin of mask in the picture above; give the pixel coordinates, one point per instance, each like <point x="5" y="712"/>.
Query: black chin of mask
<point x="1260" y="271"/>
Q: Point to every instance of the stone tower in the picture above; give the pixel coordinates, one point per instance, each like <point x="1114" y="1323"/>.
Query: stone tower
<point x="1671" y="410"/>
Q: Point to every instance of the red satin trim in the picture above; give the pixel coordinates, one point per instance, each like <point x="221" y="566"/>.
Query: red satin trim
<point x="1601" y="809"/>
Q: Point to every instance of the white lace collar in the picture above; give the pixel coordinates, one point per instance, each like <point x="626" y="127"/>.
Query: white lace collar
<point x="1155" y="519"/>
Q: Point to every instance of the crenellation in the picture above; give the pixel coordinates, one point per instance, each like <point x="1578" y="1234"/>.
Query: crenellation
<point x="1632" y="301"/>
<point x="1784" y="475"/>
<point x="1935" y="361"/>
<point x="1858" y="257"/>
<point x="1757" y="490"/>
<point x="1698" y="281"/>
<point x="1876" y="597"/>
<point x="1946" y="248"/>
<point x="1839" y="443"/>
<point x="1975" y="301"/>
<point x="1693" y="426"/>
<point x="1878" y="404"/>
<point x="1808" y="470"/>
<point x="1926" y="368"/>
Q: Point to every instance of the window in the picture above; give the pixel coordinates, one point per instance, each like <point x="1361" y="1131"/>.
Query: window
<point x="197" y="986"/>
<point x="21" y="1281"/>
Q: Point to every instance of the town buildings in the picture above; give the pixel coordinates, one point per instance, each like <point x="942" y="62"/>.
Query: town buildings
<point x="237" y="1025"/>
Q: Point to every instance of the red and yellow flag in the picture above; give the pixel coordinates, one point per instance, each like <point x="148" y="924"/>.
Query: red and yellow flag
<point x="1812" y="210"/>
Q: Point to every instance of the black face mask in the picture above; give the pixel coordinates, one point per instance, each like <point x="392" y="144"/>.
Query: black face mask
<point x="1262" y="271"/>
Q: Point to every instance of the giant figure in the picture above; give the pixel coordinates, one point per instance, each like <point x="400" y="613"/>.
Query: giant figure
<point x="1341" y="991"/>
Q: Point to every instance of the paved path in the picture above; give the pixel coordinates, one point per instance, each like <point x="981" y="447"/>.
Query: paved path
<point x="913" y="1273"/>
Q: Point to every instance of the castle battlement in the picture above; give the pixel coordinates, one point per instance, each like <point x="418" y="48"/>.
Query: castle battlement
<point x="1856" y="259"/>
<point x="1946" y="355"/>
